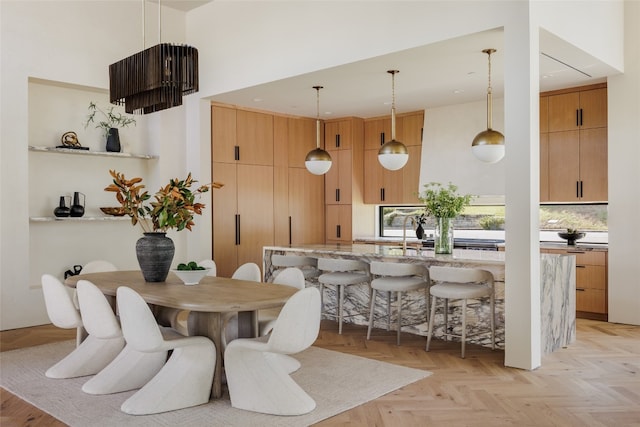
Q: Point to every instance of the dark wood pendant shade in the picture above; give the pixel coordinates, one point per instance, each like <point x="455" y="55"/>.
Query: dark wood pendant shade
<point x="154" y="79"/>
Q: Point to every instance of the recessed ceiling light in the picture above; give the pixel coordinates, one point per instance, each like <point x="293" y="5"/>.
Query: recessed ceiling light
<point x="328" y="113"/>
<point x="458" y="90"/>
<point x="257" y="99"/>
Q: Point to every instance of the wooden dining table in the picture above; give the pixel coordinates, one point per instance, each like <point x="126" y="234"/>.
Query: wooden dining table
<point x="209" y="301"/>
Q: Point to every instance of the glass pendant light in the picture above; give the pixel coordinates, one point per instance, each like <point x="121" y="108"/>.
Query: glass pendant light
<point x="393" y="155"/>
<point x="318" y="161"/>
<point x="488" y="145"/>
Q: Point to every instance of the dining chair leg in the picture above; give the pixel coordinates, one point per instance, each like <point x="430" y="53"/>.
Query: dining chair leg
<point x="340" y="303"/>
<point x="431" y="319"/>
<point x="372" y="303"/>
<point x="464" y="324"/>
<point x="399" y="300"/>
<point x="388" y="310"/>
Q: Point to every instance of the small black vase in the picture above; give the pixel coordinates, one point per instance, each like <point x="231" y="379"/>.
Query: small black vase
<point x="113" y="141"/>
<point x="419" y="231"/>
<point x="77" y="209"/>
<point x="62" y="210"/>
<point x="155" y="253"/>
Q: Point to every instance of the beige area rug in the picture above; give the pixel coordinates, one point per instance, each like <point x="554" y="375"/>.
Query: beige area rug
<point x="336" y="381"/>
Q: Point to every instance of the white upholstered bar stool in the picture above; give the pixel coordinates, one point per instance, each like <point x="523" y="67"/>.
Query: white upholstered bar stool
<point x="463" y="284"/>
<point x="308" y="265"/>
<point x="341" y="273"/>
<point x="396" y="277"/>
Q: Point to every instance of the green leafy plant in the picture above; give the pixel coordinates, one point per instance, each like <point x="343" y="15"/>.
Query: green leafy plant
<point x="443" y="202"/>
<point x="109" y="119"/>
<point x="190" y="266"/>
<point x="172" y="207"/>
<point x="491" y="222"/>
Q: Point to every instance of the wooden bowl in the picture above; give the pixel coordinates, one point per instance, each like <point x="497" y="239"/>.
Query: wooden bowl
<point x="118" y="211"/>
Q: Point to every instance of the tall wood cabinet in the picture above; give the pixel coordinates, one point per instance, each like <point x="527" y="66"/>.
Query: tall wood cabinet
<point x="344" y="141"/>
<point x="242" y="148"/>
<point x="299" y="195"/>
<point x="393" y="187"/>
<point x="573" y="145"/>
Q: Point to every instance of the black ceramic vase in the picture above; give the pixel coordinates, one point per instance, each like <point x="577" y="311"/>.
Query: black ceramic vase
<point x="155" y="253"/>
<point x="62" y="210"/>
<point x="113" y="141"/>
<point x="77" y="208"/>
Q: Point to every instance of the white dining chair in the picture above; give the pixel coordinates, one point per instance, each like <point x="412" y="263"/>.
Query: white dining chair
<point x="130" y="369"/>
<point x="98" y="266"/>
<point x="290" y="276"/>
<point x="260" y="383"/>
<point x="185" y="380"/>
<point x="92" y="354"/>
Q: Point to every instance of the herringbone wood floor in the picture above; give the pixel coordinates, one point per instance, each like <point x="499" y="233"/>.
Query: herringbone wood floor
<point x="594" y="382"/>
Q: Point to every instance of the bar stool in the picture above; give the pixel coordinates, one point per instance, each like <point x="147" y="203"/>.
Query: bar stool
<point x="395" y="277"/>
<point x="460" y="283"/>
<point x="341" y="273"/>
<point x="308" y="265"/>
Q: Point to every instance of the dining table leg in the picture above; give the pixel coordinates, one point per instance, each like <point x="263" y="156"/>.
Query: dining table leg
<point x="209" y="325"/>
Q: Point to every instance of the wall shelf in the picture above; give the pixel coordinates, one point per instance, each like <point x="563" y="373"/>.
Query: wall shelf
<point x="78" y="219"/>
<point x="91" y="153"/>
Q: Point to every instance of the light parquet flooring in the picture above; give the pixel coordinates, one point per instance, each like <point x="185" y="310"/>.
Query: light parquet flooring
<point x="594" y="382"/>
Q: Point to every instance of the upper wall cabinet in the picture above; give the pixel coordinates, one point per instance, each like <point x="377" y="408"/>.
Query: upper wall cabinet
<point x="582" y="109"/>
<point x="239" y="136"/>
<point x="573" y="145"/>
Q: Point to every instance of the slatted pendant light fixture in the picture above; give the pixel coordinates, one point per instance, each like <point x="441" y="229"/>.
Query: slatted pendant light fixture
<point x="156" y="78"/>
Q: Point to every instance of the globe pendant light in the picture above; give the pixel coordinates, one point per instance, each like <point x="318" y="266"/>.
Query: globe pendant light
<point x="318" y="161"/>
<point x="488" y="145"/>
<point x="393" y="155"/>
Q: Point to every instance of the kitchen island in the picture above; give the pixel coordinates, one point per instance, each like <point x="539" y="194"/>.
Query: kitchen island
<point x="557" y="276"/>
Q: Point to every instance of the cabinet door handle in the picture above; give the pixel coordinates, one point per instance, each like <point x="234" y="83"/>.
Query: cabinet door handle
<point x="581" y="266"/>
<point x="576" y="252"/>
<point x="577" y="118"/>
<point x="338" y="231"/>
<point x="581" y="122"/>
<point x="581" y="193"/>
<point x="382" y="194"/>
<point x="581" y="289"/>
<point x="237" y="229"/>
<point x="337" y="140"/>
<point x="236" y="152"/>
<point x="337" y="194"/>
<point x="381" y="138"/>
<point x="577" y="189"/>
<point x="289" y="230"/>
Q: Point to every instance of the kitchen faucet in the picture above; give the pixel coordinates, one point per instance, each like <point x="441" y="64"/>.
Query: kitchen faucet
<point x="404" y="232"/>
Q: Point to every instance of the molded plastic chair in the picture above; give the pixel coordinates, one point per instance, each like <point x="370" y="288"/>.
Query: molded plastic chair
<point x="308" y="265"/>
<point x="130" y="369"/>
<point x="211" y="265"/>
<point x="399" y="278"/>
<point x="92" y="354"/>
<point x="460" y="283"/>
<point x="259" y="382"/>
<point x="185" y="380"/>
<point x="290" y="276"/>
<point x="247" y="271"/>
<point x="341" y="273"/>
<point x="98" y="266"/>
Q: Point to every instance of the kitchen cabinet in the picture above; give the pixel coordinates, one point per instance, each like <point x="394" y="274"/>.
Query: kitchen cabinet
<point x="344" y="141"/>
<point x="393" y="187"/>
<point x="591" y="281"/>
<point x="243" y="137"/>
<point x="298" y="194"/>
<point x="242" y="214"/>
<point x="573" y="145"/>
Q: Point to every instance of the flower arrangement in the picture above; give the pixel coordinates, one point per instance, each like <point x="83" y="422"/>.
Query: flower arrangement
<point x="110" y="119"/>
<point x="443" y="202"/>
<point x="173" y="206"/>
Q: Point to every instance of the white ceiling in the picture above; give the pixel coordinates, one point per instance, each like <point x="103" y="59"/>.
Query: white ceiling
<point x="451" y="72"/>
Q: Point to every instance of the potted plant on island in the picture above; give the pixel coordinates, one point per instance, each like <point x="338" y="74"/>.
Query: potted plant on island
<point x="444" y="204"/>
<point x="109" y="124"/>
<point x="172" y="207"/>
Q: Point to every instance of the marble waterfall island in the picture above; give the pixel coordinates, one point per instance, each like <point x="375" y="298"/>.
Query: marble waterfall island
<point x="557" y="276"/>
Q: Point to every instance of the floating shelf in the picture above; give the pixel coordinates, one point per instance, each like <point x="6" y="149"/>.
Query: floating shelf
<point x="91" y="153"/>
<point x="78" y="219"/>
